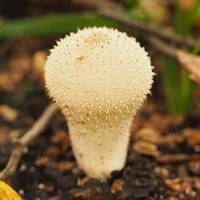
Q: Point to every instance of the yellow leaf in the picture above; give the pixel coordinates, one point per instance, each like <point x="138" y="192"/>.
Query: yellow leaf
<point x="7" y="193"/>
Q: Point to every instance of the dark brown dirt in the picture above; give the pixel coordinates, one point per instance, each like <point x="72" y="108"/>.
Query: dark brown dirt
<point x="48" y="169"/>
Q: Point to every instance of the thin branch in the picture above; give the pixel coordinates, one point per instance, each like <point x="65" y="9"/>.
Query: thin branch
<point x="173" y="158"/>
<point x="39" y="125"/>
<point x="161" y="46"/>
<point x="25" y="140"/>
<point x="145" y="28"/>
<point x="189" y="62"/>
<point x="114" y="11"/>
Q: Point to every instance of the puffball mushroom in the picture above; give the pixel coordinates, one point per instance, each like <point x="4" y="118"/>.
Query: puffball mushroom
<point x="99" y="77"/>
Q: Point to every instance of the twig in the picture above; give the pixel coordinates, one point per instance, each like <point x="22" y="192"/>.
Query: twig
<point x="172" y="158"/>
<point x="25" y="140"/>
<point x="114" y="11"/>
<point x="161" y="46"/>
<point x="145" y="28"/>
<point x="189" y="62"/>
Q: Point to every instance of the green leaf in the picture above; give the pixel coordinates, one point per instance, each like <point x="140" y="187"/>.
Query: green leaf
<point x="184" y="21"/>
<point x="177" y="84"/>
<point x="54" y="25"/>
<point x="197" y="48"/>
<point x="130" y="3"/>
<point x="170" y="76"/>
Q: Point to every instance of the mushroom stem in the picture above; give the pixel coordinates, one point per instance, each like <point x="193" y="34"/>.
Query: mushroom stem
<point x="93" y="150"/>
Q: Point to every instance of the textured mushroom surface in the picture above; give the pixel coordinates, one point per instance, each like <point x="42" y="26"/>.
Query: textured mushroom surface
<point x="99" y="77"/>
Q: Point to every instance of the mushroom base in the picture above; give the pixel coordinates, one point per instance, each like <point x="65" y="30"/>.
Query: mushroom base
<point x="100" y="151"/>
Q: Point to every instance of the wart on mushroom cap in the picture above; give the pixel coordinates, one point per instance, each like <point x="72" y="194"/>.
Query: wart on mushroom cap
<point x="99" y="77"/>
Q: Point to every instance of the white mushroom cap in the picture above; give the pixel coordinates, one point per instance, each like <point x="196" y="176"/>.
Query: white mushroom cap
<point x="98" y="77"/>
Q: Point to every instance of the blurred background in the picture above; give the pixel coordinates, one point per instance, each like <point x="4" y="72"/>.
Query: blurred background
<point x="31" y="27"/>
<point x="168" y="123"/>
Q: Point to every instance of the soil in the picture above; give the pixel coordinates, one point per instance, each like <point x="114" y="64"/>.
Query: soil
<point x="48" y="169"/>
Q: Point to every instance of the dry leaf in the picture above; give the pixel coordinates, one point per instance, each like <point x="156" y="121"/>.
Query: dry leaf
<point x="191" y="63"/>
<point x="8" y="113"/>
<point x="187" y="188"/>
<point x="192" y="137"/>
<point x="173" y="184"/>
<point x="148" y="135"/>
<point x="181" y="186"/>
<point x="146" y="148"/>
<point x="145" y="142"/>
<point x="39" y="59"/>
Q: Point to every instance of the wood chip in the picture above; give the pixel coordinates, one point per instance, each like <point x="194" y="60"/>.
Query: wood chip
<point x="83" y="181"/>
<point x="117" y="186"/>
